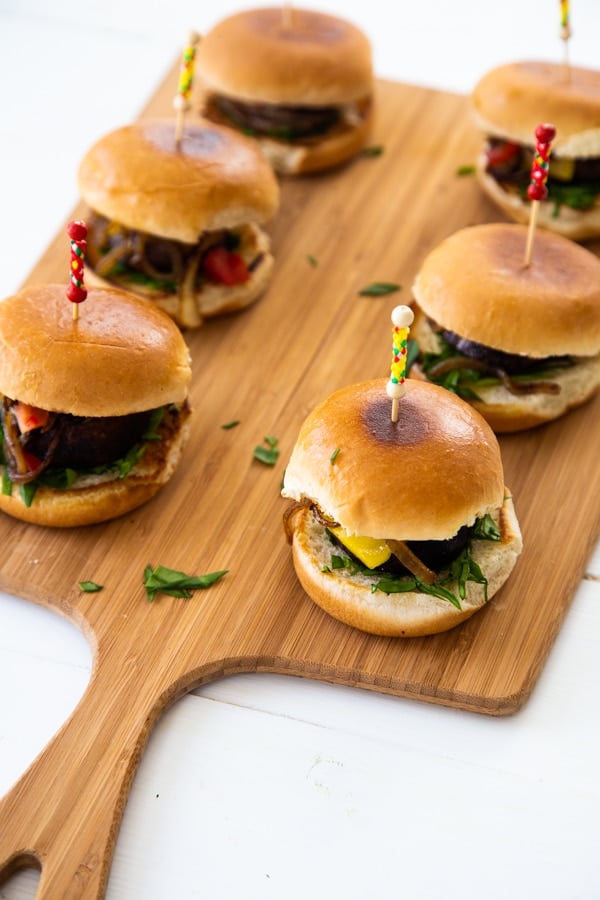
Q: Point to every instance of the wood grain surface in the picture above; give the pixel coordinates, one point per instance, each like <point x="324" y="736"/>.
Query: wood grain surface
<point x="311" y="333"/>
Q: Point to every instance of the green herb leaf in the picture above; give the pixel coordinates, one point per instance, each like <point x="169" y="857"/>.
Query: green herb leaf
<point x="485" y="529"/>
<point x="27" y="492"/>
<point x="375" y="150"/>
<point x="267" y="455"/>
<point x="312" y="260"/>
<point x="466" y="170"/>
<point x="176" y="584"/>
<point x="228" y="425"/>
<point x="379" y="289"/>
<point x="151" y="433"/>
<point x="6" y="483"/>
<point x="90" y="587"/>
<point x="334" y="455"/>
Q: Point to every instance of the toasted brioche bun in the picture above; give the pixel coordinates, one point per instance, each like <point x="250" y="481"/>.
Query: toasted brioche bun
<point x="350" y="598"/>
<point x="90" y="500"/>
<point x="216" y="179"/>
<point x="475" y="283"/>
<point x="511" y="100"/>
<point x="308" y="59"/>
<point x="506" y="412"/>
<point x="302" y="157"/>
<point x="422" y="478"/>
<point x="191" y="308"/>
<point x="122" y="355"/>
<point x="575" y="224"/>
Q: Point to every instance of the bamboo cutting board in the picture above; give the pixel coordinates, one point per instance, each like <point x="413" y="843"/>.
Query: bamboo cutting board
<point x="311" y="333"/>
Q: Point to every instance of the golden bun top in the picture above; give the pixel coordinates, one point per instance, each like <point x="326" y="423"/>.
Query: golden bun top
<point x="511" y="100"/>
<point x="475" y="283"/>
<point x="122" y="354"/>
<point x="437" y="468"/>
<point x="217" y="178"/>
<point x="298" y="57"/>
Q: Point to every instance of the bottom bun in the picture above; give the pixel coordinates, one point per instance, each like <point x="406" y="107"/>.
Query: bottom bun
<point x="99" y="498"/>
<point x="506" y="412"/>
<point x="190" y="309"/>
<point x="351" y="598"/>
<point x="576" y="224"/>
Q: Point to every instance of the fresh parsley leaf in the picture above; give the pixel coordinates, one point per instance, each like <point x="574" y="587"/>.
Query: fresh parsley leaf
<point x="163" y="580"/>
<point x="90" y="587"/>
<point x="466" y="170"/>
<point x="151" y="433"/>
<point x="379" y="289"/>
<point x="228" y="425"/>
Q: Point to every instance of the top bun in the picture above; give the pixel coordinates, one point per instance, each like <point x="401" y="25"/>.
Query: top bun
<point x="437" y="468"/>
<point x="475" y="283"/>
<point x="122" y="355"/>
<point x="312" y="60"/>
<point x="511" y="100"/>
<point x="138" y="177"/>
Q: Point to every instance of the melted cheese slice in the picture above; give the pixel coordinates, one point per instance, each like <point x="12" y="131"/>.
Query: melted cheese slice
<point x="372" y="552"/>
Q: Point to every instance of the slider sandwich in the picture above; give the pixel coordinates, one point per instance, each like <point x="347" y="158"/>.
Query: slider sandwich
<point x="179" y="224"/>
<point x="508" y="102"/>
<point x="520" y="343"/>
<point x="94" y="412"/>
<point x="399" y="528"/>
<point x="299" y="82"/>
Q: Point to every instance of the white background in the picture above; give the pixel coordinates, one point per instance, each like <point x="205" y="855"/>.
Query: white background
<point x="266" y="786"/>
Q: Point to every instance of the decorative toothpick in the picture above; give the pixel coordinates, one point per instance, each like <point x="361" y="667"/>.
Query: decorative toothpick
<point x="537" y="190"/>
<point x="181" y="101"/>
<point x="402" y="319"/>
<point x="565" y="34"/>
<point x="76" y="291"/>
<point x="287" y="17"/>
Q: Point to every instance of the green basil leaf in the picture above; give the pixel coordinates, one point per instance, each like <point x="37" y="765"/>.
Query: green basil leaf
<point x="90" y="587"/>
<point x="379" y="289"/>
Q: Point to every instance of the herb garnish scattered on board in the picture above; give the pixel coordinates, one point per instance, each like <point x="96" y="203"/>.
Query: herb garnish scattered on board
<point x="162" y="580"/>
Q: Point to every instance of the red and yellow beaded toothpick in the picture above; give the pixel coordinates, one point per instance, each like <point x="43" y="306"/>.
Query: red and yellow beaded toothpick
<point x="537" y="190"/>
<point x="76" y="291"/>
<point x="181" y="101"/>
<point x="402" y="319"/>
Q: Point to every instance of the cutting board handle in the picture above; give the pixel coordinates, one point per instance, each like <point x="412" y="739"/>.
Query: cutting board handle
<point x="65" y="811"/>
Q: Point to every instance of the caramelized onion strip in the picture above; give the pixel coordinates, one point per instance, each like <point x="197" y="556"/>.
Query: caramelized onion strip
<point x="411" y="562"/>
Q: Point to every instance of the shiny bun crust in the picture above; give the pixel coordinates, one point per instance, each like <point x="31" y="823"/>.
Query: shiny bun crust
<point x="312" y="60"/>
<point x="211" y="299"/>
<point x="350" y="598"/>
<point x="510" y="101"/>
<point x="421" y="478"/>
<point x="507" y="412"/>
<point x="575" y="224"/>
<point x="475" y="284"/>
<point x="302" y="157"/>
<point x="106" y="499"/>
<point x="121" y="356"/>
<point x="216" y="179"/>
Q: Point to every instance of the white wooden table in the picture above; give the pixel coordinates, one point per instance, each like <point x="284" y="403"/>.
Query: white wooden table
<point x="266" y="786"/>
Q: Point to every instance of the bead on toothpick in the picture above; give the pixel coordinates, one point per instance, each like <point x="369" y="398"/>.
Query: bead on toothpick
<point x="402" y="319"/>
<point x="181" y="101"/>
<point x="76" y="291"/>
<point x="537" y="190"/>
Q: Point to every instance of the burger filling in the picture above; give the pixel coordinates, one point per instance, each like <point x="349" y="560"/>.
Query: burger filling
<point x="162" y="267"/>
<point x="463" y="366"/>
<point x="284" y="123"/>
<point x="440" y="568"/>
<point x="61" y="451"/>
<point x="571" y="182"/>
